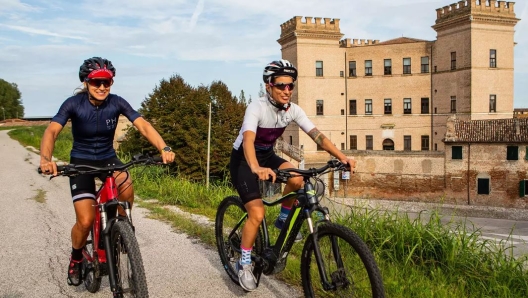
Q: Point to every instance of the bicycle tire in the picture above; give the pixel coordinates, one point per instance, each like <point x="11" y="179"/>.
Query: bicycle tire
<point x="129" y="264"/>
<point x="359" y="277"/>
<point x="229" y="212"/>
<point x="92" y="280"/>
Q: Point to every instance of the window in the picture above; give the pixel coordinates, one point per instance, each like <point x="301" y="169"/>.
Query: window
<point x="493" y="58"/>
<point x="483" y="186"/>
<point x="388" y="106"/>
<point x="425" y="64"/>
<point x="387" y="70"/>
<point x="342" y="111"/>
<point x="318" y="68"/>
<point x="370" y="142"/>
<point x="425" y="105"/>
<point x="406" y="65"/>
<point x="352" y="69"/>
<point x="493" y="103"/>
<point x="453" y="104"/>
<point x="368" y="106"/>
<point x="512" y="153"/>
<point x="291" y="140"/>
<point x="352" y="107"/>
<point x="368" y="67"/>
<point x="407" y="143"/>
<point x="341" y="73"/>
<point x="388" y="144"/>
<point x="453" y="60"/>
<point x="319" y="107"/>
<point x="456" y="152"/>
<point x="425" y="143"/>
<point x="407" y="106"/>
<point x="342" y="146"/>
<point x="353" y="142"/>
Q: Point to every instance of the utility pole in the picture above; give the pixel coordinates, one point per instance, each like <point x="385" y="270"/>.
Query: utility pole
<point x="208" y="147"/>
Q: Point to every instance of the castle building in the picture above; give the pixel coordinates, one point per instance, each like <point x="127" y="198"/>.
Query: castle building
<point x="397" y="94"/>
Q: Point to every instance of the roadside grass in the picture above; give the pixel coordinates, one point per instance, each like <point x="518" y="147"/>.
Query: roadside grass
<point x="418" y="257"/>
<point x="32" y="135"/>
<point x="40" y="197"/>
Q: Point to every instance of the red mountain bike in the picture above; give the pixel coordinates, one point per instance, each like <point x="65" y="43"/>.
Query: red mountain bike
<point x="112" y="248"/>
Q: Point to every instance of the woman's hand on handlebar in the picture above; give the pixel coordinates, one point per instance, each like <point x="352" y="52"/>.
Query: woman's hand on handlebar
<point x="350" y="164"/>
<point x="264" y="173"/>
<point x="167" y="156"/>
<point x="48" y="167"/>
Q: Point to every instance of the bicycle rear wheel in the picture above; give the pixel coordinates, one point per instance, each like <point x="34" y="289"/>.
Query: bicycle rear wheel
<point x="231" y="217"/>
<point x="129" y="264"/>
<point x="91" y="270"/>
<point x="348" y="263"/>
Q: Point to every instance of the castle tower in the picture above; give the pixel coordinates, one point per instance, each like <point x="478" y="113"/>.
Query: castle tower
<point x="312" y="45"/>
<point x="472" y="63"/>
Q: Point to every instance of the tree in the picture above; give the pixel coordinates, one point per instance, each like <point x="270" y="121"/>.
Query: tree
<point x="242" y="96"/>
<point x="180" y="113"/>
<point x="261" y="91"/>
<point x="10" y="102"/>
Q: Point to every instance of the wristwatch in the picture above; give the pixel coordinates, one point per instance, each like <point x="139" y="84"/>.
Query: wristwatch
<point x="167" y="149"/>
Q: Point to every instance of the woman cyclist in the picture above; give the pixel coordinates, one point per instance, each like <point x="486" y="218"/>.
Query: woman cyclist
<point x="94" y="113"/>
<point x="264" y="122"/>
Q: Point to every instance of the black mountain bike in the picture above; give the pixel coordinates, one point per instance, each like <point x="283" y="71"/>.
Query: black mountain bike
<point x="112" y="248"/>
<point x="334" y="262"/>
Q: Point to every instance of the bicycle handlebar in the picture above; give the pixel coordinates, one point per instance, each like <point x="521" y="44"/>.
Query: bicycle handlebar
<point x="282" y="175"/>
<point x="72" y="169"/>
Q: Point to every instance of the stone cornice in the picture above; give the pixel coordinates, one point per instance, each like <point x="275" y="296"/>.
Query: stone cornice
<point x="311" y="35"/>
<point x="481" y="18"/>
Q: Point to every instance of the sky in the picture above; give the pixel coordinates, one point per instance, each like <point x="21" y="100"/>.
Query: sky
<point x="43" y="42"/>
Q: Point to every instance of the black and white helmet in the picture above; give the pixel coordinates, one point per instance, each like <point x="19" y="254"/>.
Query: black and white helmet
<point x="279" y="68"/>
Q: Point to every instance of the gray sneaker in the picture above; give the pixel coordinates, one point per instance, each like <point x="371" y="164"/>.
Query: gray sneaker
<point x="245" y="277"/>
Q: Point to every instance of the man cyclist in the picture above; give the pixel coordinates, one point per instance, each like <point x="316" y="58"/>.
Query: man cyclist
<point x="264" y="122"/>
<point x="94" y="113"/>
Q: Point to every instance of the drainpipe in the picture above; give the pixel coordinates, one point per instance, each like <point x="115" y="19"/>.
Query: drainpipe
<point x="468" y="168"/>
<point x="431" y="107"/>
<point x="346" y="109"/>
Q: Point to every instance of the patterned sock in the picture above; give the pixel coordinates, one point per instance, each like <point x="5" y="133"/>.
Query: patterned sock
<point x="284" y="213"/>
<point x="245" y="259"/>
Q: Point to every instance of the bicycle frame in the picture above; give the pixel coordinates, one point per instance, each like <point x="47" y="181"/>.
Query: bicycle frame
<point x="105" y="216"/>
<point x="273" y="258"/>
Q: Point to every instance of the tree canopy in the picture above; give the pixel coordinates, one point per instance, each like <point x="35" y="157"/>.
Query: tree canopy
<point x="180" y="113"/>
<point x="10" y="102"/>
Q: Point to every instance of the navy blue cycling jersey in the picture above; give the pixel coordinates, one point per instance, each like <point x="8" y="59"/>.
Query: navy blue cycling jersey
<point x="93" y="127"/>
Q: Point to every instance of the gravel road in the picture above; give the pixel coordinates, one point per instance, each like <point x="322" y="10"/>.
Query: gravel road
<point x="37" y="215"/>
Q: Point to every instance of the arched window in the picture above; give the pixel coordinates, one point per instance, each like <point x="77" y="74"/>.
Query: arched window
<point x="388" y="144"/>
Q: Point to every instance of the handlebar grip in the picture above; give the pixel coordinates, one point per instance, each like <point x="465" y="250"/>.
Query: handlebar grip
<point x="157" y="159"/>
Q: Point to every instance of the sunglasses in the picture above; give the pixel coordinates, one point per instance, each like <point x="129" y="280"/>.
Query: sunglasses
<point x="282" y="86"/>
<point x="97" y="82"/>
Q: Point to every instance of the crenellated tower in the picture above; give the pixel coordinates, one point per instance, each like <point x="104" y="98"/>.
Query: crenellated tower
<point x="472" y="61"/>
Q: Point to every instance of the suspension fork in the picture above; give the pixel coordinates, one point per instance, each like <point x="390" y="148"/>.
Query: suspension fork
<point x="108" y="225"/>
<point x="317" y="253"/>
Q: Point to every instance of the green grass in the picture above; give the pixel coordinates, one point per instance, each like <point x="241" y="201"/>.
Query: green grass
<point x="420" y="257"/>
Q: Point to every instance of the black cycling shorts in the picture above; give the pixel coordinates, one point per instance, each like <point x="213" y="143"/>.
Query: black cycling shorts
<point x="245" y="182"/>
<point x="83" y="186"/>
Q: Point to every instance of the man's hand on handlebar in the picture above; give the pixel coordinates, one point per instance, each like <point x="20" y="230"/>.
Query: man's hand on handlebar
<point x="264" y="173"/>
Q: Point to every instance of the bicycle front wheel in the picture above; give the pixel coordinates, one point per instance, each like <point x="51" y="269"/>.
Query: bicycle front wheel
<point x="129" y="264"/>
<point x="346" y="261"/>
<point x="230" y="219"/>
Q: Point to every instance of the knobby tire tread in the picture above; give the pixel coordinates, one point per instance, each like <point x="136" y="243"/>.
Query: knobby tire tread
<point x="359" y="247"/>
<point x="139" y="279"/>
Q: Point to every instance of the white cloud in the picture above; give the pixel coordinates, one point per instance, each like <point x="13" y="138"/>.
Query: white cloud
<point x="228" y="40"/>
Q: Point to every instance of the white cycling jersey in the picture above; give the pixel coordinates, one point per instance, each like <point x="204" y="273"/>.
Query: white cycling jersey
<point x="269" y="123"/>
